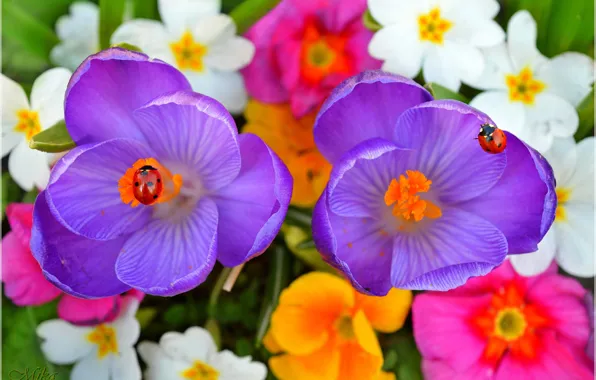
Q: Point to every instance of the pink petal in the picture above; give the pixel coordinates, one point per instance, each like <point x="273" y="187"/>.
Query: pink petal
<point x="439" y="370"/>
<point x="88" y="312"/>
<point x="20" y="217"/>
<point x="136" y="294"/>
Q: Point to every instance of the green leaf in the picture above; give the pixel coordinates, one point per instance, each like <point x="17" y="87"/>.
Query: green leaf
<point x="53" y="140"/>
<point x="390" y="360"/>
<point x="111" y="13"/>
<point x="213" y="327"/>
<point x="228" y="5"/>
<point x="127" y="46"/>
<point x="145" y="9"/>
<point x="23" y="29"/>
<point x="585" y="111"/>
<point x="293" y="237"/>
<point x="440" y="92"/>
<point x="541" y="11"/>
<point x="570" y="27"/>
<point x="45" y="11"/>
<point x="30" y="196"/>
<point x="145" y="315"/>
<point x="408" y="357"/>
<point x="11" y="192"/>
<point x="249" y="12"/>
<point x="243" y="347"/>
<point x="369" y="21"/>
<point x="176" y="316"/>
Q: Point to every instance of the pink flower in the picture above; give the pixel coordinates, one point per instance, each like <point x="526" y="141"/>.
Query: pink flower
<point x="504" y="326"/>
<point x="25" y="284"/>
<point x="305" y="49"/>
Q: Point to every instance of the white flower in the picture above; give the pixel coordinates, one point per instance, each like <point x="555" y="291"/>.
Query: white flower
<point x="528" y="94"/>
<point x="200" y="42"/>
<point x="570" y="240"/>
<point x="192" y="354"/>
<point x="100" y="352"/>
<point x="79" y="35"/>
<point x="21" y="120"/>
<point x="441" y="36"/>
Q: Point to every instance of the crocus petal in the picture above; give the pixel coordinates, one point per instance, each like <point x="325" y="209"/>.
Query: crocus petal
<point x="149" y="35"/>
<point x="521" y="39"/>
<point x="181" y="15"/>
<point x="509" y="116"/>
<point x="193" y="130"/>
<point x="23" y="280"/>
<point x="569" y="75"/>
<point x="226" y="87"/>
<point x="47" y="95"/>
<point x="71" y="262"/>
<point x="576" y="240"/>
<point x="252" y="207"/>
<point x="108" y="87"/>
<point x="534" y="263"/>
<point x="64" y="343"/>
<point x="83" y="191"/>
<point x="386" y="314"/>
<point x="440" y="321"/>
<point x="443" y="135"/>
<point x="525" y="217"/>
<point x="88" y="312"/>
<point x="342" y="123"/>
<point x="343" y="241"/>
<point x="178" y="264"/>
<point x="442" y="256"/>
<point x="28" y="167"/>
<point x="13" y="100"/>
<point x="307" y="311"/>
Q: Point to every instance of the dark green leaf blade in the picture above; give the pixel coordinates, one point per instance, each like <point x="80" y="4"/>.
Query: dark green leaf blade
<point x="369" y="21"/>
<point x="11" y="192"/>
<point x="585" y="111"/>
<point x="145" y="9"/>
<point x="53" y="140"/>
<point x="440" y="92"/>
<point x="249" y="12"/>
<point x="111" y="13"/>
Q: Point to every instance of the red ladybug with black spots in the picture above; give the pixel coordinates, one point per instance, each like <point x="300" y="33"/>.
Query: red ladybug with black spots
<point x="148" y="185"/>
<point x="492" y="139"/>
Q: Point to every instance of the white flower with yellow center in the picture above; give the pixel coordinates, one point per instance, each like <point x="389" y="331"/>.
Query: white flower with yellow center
<point x="21" y="120"/>
<point x="443" y="37"/>
<point x="200" y="42"/>
<point x="102" y="352"/>
<point x="79" y="35"/>
<point x="529" y="95"/>
<point x="570" y="240"/>
<point x="193" y="356"/>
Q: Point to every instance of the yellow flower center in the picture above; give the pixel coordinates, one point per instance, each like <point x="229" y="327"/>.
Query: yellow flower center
<point x="200" y="371"/>
<point x="563" y="196"/>
<point x="344" y="327"/>
<point x="127" y="185"/>
<point x="523" y="87"/>
<point x="105" y="338"/>
<point x="432" y="27"/>
<point x="510" y="324"/>
<point x="188" y="53"/>
<point x="403" y="194"/>
<point x="320" y="54"/>
<point x="28" y="123"/>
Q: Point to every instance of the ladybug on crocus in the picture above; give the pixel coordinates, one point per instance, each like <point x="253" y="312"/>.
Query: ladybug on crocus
<point x="492" y="139"/>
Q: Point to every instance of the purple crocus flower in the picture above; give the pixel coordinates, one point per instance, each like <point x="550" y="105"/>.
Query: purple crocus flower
<point x="413" y="201"/>
<point x="224" y="195"/>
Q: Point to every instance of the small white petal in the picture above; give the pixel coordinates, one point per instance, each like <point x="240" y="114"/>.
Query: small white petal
<point x="47" y="95"/>
<point x="437" y="68"/>
<point x="230" y="55"/>
<point x="14" y="99"/>
<point x="149" y="35"/>
<point x="226" y="87"/>
<point x="195" y="344"/>
<point x="497" y="66"/>
<point x="29" y="167"/>
<point x="213" y="30"/>
<point x="551" y="116"/>
<point x="182" y="15"/>
<point x="534" y="263"/>
<point x="562" y="157"/>
<point x="231" y="367"/>
<point x="509" y="116"/>
<point x="479" y="9"/>
<point x="521" y="38"/>
<point x="581" y="182"/>
<point x="126" y="325"/>
<point x="569" y="75"/>
<point x="388" y="12"/>
<point x="125" y="366"/>
<point x="92" y="368"/>
<point x="64" y="343"/>
<point x="160" y="366"/>
<point x="391" y="42"/>
<point x="576" y="240"/>
<point x="466" y="61"/>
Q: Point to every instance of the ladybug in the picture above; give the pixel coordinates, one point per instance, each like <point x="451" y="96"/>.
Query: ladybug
<point x="147" y="185"/>
<point x="492" y="139"/>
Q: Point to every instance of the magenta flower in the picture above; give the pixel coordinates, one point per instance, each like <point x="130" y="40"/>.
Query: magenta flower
<point x="221" y="196"/>
<point x="25" y="285"/>
<point x="413" y="201"/>
<point x="305" y="49"/>
<point x="505" y="326"/>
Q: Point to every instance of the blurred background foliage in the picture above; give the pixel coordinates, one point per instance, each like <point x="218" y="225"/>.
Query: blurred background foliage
<point x="239" y="319"/>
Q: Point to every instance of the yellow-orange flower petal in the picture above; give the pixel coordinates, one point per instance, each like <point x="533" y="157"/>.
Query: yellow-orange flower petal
<point x="386" y="376"/>
<point x="322" y="364"/>
<point x="271" y="344"/>
<point x="307" y="311"/>
<point x="357" y="364"/>
<point x="365" y="335"/>
<point x="386" y="314"/>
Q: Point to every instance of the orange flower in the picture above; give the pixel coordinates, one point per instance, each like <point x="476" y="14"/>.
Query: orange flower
<point x="324" y="330"/>
<point x="294" y="143"/>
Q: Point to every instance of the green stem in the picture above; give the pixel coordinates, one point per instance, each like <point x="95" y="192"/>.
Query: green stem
<point x="33" y="321"/>
<point x="277" y="280"/>
<point x="249" y="12"/>
<point x="214" y="297"/>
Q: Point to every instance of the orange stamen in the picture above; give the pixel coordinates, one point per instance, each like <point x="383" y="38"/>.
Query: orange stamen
<point x="432" y="27"/>
<point x="28" y="123"/>
<point x="171" y="183"/>
<point x="188" y="53"/>
<point x="323" y="55"/>
<point x="404" y="194"/>
<point x="105" y="338"/>
<point x="523" y="87"/>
